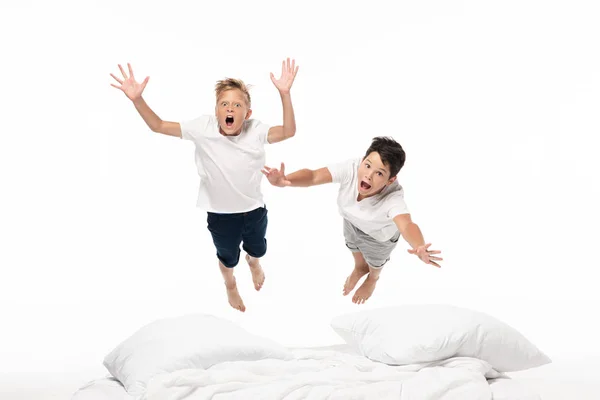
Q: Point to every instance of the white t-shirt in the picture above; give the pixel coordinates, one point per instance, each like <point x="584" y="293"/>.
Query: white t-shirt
<point x="372" y="215"/>
<point x="229" y="166"/>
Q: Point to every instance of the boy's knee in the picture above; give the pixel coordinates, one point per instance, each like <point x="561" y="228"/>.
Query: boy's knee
<point x="256" y="249"/>
<point x="228" y="257"/>
<point x="362" y="266"/>
<point x="377" y="264"/>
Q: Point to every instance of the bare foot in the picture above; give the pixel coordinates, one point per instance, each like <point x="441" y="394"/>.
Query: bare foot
<point x="258" y="275"/>
<point x="365" y="290"/>
<point x="235" y="300"/>
<point x="352" y="280"/>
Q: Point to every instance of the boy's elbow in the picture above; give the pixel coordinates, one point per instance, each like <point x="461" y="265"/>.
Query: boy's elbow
<point x="156" y="127"/>
<point x="166" y="128"/>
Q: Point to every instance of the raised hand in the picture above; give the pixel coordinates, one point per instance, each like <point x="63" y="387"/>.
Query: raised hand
<point x="288" y="74"/>
<point x="132" y="89"/>
<point x="276" y="177"/>
<point x="425" y="254"/>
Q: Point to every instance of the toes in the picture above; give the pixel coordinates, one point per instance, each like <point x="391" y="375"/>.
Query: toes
<point x="258" y="281"/>
<point x="358" y="299"/>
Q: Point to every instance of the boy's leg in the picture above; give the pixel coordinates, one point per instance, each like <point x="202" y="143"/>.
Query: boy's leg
<point x="361" y="268"/>
<point x="360" y="264"/>
<point x="255" y="242"/>
<point x="258" y="274"/>
<point x="226" y="232"/>
<point x="233" y="295"/>
<point x="375" y="254"/>
<point x="367" y="288"/>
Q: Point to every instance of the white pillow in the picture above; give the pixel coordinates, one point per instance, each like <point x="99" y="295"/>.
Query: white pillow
<point x="191" y="341"/>
<point x="413" y="334"/>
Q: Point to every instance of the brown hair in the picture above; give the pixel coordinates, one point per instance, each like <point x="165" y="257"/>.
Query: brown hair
<point x="231" y="83"/>
<point x="390" y="152"/>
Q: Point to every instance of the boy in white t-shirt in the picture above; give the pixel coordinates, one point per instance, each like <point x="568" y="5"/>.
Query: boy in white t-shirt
<point x="372" y="204"/>
<point x="229" y="157"/>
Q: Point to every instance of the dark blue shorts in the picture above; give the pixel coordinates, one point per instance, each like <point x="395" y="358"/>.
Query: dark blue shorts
<point x="229" y="230"/>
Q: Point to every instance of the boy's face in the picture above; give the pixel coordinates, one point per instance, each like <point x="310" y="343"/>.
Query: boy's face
<point x="231" y="111"/>
<point x="373" y="175"/>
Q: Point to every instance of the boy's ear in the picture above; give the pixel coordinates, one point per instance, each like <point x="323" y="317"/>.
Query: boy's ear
<point x="392" y="179"/>
<point x="249" y="113"/>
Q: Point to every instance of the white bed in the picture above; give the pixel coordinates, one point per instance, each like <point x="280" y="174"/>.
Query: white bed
<point x="416" y="352"/>
<point x="560" y="380"/>
<point x="564" y="379"/>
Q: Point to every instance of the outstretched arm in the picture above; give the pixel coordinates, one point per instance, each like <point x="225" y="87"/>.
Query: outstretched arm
<point x="133" y="90"/>
<point x="284" y="84"/>
<point x="300" y="178"/>
<point x="412" y="234"/>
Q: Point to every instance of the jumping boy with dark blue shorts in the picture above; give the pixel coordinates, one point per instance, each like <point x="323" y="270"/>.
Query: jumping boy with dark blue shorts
<point x="229" y="157"/>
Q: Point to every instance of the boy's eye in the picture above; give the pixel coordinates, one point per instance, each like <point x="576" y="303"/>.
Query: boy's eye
<point x="238" y="105"/>
<point x="223" y="104"/>
<point x="380" y="174"/>
<point x="367" y="165"/>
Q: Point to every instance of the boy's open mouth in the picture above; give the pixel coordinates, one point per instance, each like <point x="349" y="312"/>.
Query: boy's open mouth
<point x="229" y="121"/>
<point x="364" y="185"/>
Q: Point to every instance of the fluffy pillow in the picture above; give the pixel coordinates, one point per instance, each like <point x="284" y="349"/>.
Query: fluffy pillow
<point x="191" y="341"/>
<point x="412" y="334"/>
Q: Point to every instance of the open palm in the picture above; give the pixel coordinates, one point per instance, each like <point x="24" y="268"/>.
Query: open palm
<point x="288" y="74"/>
<point x="132" y="89"/>
<point x="276" y="177"/>
<point x="426" y="255"/>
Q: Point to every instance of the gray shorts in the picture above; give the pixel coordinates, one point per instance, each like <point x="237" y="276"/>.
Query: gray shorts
<point x="375" y="253"/>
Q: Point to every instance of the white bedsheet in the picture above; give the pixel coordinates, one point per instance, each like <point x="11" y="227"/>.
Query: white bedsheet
<point x="109" y="389"/>
<point x="557" y="381"/>
<point x="320" y="375"/>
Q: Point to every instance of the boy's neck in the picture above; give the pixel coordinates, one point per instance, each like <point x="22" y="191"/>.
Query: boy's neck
<point x="233" y="134"/>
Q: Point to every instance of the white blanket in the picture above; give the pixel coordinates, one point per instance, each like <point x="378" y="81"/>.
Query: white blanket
<point x="319" y="374"/>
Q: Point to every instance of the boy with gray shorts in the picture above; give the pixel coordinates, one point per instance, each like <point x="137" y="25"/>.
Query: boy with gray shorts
<point x="372" y="204"/>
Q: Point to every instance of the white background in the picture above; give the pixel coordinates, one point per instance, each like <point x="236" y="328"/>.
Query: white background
<point x="495" y="103"/>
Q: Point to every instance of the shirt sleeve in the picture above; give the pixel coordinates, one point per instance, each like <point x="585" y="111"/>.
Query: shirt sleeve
<point x="341" y="172"/>
<point x="397" y="205"/>
<point x="194" y="129"/>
